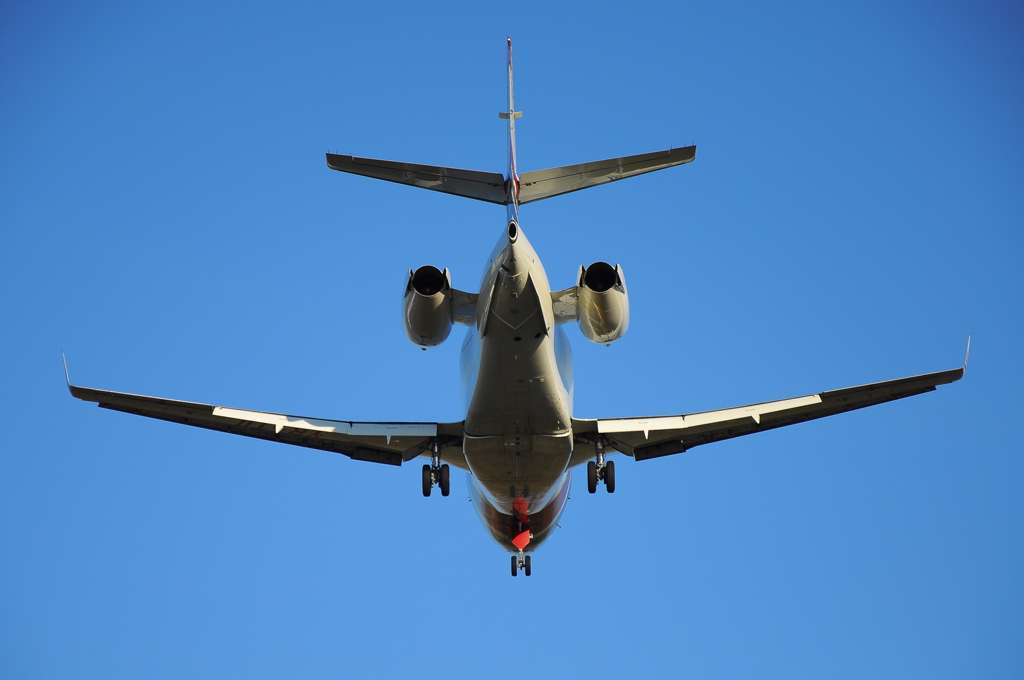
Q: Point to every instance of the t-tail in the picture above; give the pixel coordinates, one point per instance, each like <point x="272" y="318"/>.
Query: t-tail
<point x="511" y="115"/>
<point x="513" y="189"/>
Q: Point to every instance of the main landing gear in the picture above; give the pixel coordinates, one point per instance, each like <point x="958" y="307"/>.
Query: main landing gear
<point x="520" y="560"/>
<point x="600" y="470"/>
<point x="436" y="473"/>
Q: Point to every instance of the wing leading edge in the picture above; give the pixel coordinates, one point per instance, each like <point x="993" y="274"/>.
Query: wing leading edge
<point x="391" y="443"/>
<point x="658" y="436"/>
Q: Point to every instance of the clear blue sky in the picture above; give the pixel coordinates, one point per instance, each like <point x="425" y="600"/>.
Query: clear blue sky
<point x="168" y="220"/>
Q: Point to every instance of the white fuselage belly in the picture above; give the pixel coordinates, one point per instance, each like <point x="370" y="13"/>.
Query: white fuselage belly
<point x="517" y="368"/>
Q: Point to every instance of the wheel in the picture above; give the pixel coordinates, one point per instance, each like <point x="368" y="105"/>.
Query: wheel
<point x="428" y="483"/>
<point x="444" y="480"/>
<point x="515" y="565"/>
<point x="609" y="476"/>
<point x="526" y="565"/>
<point x="591" y="477"/>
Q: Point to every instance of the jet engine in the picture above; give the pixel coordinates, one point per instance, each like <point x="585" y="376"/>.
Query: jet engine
<point x="602" y="303"/>
<point x="428" y="306"/>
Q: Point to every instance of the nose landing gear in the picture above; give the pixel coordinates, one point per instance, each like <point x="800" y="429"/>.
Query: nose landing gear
<point x="521" y="560"/>
<point x="600" y="470"/>
<point x="436" y="474"/>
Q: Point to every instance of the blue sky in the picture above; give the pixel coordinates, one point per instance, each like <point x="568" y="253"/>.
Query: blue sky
<point x="168" y="220"/>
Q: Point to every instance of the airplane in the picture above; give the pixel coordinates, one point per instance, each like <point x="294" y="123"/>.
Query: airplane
<point x="519" y="439"/>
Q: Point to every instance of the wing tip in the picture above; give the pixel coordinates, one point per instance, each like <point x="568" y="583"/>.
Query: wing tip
<point x="967" y="356"/>
<point x="684" y="154"/>
<point x="73" y="389"/>
<point x="67" y="373"/>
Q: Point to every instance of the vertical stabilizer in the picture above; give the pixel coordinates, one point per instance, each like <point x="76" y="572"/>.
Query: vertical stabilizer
<point x="512" y="189"/>
<point x="511" y="115"/>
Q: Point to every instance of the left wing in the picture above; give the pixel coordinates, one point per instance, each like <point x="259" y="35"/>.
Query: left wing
<point x="657" y="436"/>
<point x="383" y="442"/>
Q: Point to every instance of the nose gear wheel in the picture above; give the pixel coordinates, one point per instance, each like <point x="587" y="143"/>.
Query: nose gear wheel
<point x="521" y="561"/>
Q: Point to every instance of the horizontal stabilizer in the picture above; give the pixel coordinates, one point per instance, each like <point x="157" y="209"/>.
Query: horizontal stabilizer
<point x="534" y="186"/>
<point x="483" y="186"/>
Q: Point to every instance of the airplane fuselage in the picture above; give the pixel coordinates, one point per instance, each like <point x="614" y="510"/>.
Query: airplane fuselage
<point x="517" y="370"/>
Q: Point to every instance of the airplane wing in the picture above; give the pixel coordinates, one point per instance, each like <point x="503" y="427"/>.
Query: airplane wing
<point x="382" y="442"/>
<point x="657" y="436"/>
<point x="483" y="186"/>
<point x="539" y="184"/>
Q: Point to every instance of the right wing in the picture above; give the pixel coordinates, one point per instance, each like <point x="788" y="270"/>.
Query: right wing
<point x="483" y="186"/>
<point x="539" y="184"/>
<point x="383" y="442"/>
<point x="656" y="436"/>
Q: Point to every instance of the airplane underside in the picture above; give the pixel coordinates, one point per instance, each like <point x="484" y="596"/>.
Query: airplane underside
<point x="519" y="439"/>
<point x="518" y="442"/>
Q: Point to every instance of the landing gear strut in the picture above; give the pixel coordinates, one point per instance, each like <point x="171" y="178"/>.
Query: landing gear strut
<point x="521" y="561"/>
<point x="600" y="470"/>
<point x="436" y="473"/>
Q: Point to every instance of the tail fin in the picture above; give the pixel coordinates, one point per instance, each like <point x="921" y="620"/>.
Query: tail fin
<point x="513" y="190"/>
<point x="541" y="184"/>
<point x="511" y="116"/>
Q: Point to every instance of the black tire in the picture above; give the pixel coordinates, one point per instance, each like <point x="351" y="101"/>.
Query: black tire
<point x="515" y="565"/>
<point x="444" y="480"/>
<point x="609" y="476"/>
<point x="591" y="477"/>
<point x="526" y="565"/>
<point x="428" y="483"/>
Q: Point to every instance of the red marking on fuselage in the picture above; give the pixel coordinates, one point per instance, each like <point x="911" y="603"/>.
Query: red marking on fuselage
<point x="541" y="521"/>
<point x="522" y="510"/>
<point x="522" y="539"/>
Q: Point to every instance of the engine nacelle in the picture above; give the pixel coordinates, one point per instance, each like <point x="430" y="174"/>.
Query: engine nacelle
<point x="602" y="303"/>
<point x="428" y="306"/>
